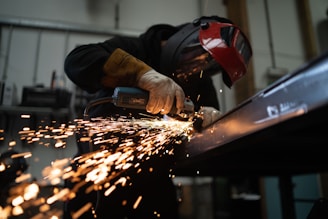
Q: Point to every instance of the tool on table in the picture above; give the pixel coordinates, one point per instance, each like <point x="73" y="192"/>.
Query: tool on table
<point x="136" y="98"/>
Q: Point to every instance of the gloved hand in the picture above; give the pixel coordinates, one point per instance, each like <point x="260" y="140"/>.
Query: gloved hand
<point x="163" y="92"/>
<point x="209" y="115"/>
<point x="123" y="69"/>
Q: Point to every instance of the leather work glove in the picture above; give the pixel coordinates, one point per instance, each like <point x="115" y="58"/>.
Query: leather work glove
<point x="163" y="92"/>
<point x="123" y="69"/>
<point x="209" y="115"/>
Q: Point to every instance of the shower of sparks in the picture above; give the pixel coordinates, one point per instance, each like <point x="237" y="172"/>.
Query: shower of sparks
<point x="119" y="147"/>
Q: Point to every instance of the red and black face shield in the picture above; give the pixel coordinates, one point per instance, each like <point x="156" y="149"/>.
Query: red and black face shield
<point x="207" y="47"/>
<point x="229" y="48"/>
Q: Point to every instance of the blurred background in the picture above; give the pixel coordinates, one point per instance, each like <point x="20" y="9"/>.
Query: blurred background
<point x="36" y="35"/>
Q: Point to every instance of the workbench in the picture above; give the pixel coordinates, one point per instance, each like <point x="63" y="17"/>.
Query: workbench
<point x="280" y="131"/>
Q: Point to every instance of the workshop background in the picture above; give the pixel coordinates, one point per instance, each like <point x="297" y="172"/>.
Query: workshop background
<point x="36" y="35"/>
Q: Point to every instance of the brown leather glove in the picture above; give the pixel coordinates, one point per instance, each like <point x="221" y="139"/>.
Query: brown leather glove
<point x="123" y="69"/>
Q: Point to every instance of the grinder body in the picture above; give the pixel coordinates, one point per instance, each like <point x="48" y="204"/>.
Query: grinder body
<point x="135" y="98"/>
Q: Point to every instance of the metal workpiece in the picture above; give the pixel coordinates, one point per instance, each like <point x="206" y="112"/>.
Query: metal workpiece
<point x="277" y="130"/>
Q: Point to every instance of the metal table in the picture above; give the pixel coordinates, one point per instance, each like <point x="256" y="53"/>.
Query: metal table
<point x="279" y="131"/>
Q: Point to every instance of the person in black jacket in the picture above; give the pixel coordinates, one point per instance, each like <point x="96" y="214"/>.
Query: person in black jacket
<point x="171" y="63"/>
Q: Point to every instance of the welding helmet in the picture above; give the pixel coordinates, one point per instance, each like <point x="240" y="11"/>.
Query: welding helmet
<point x="210" y="45"/>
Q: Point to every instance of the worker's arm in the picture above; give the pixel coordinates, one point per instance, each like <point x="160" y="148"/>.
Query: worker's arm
<point x="123" y="69"/>
<point x="96" y="66"/>
<point x="84" y="66"/>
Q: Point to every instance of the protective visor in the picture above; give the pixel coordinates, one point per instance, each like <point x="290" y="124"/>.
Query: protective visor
<point x="228" y="46"/>
<point x="194" y="59"/>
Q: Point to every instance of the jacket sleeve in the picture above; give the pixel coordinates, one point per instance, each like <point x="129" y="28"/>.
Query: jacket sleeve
<point x="107" y="64"/>
<point x="83" y="66"/>
<point x="123" y="69"/>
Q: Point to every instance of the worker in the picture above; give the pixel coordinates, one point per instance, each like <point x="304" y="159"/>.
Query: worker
<point x="172" y="63"/>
